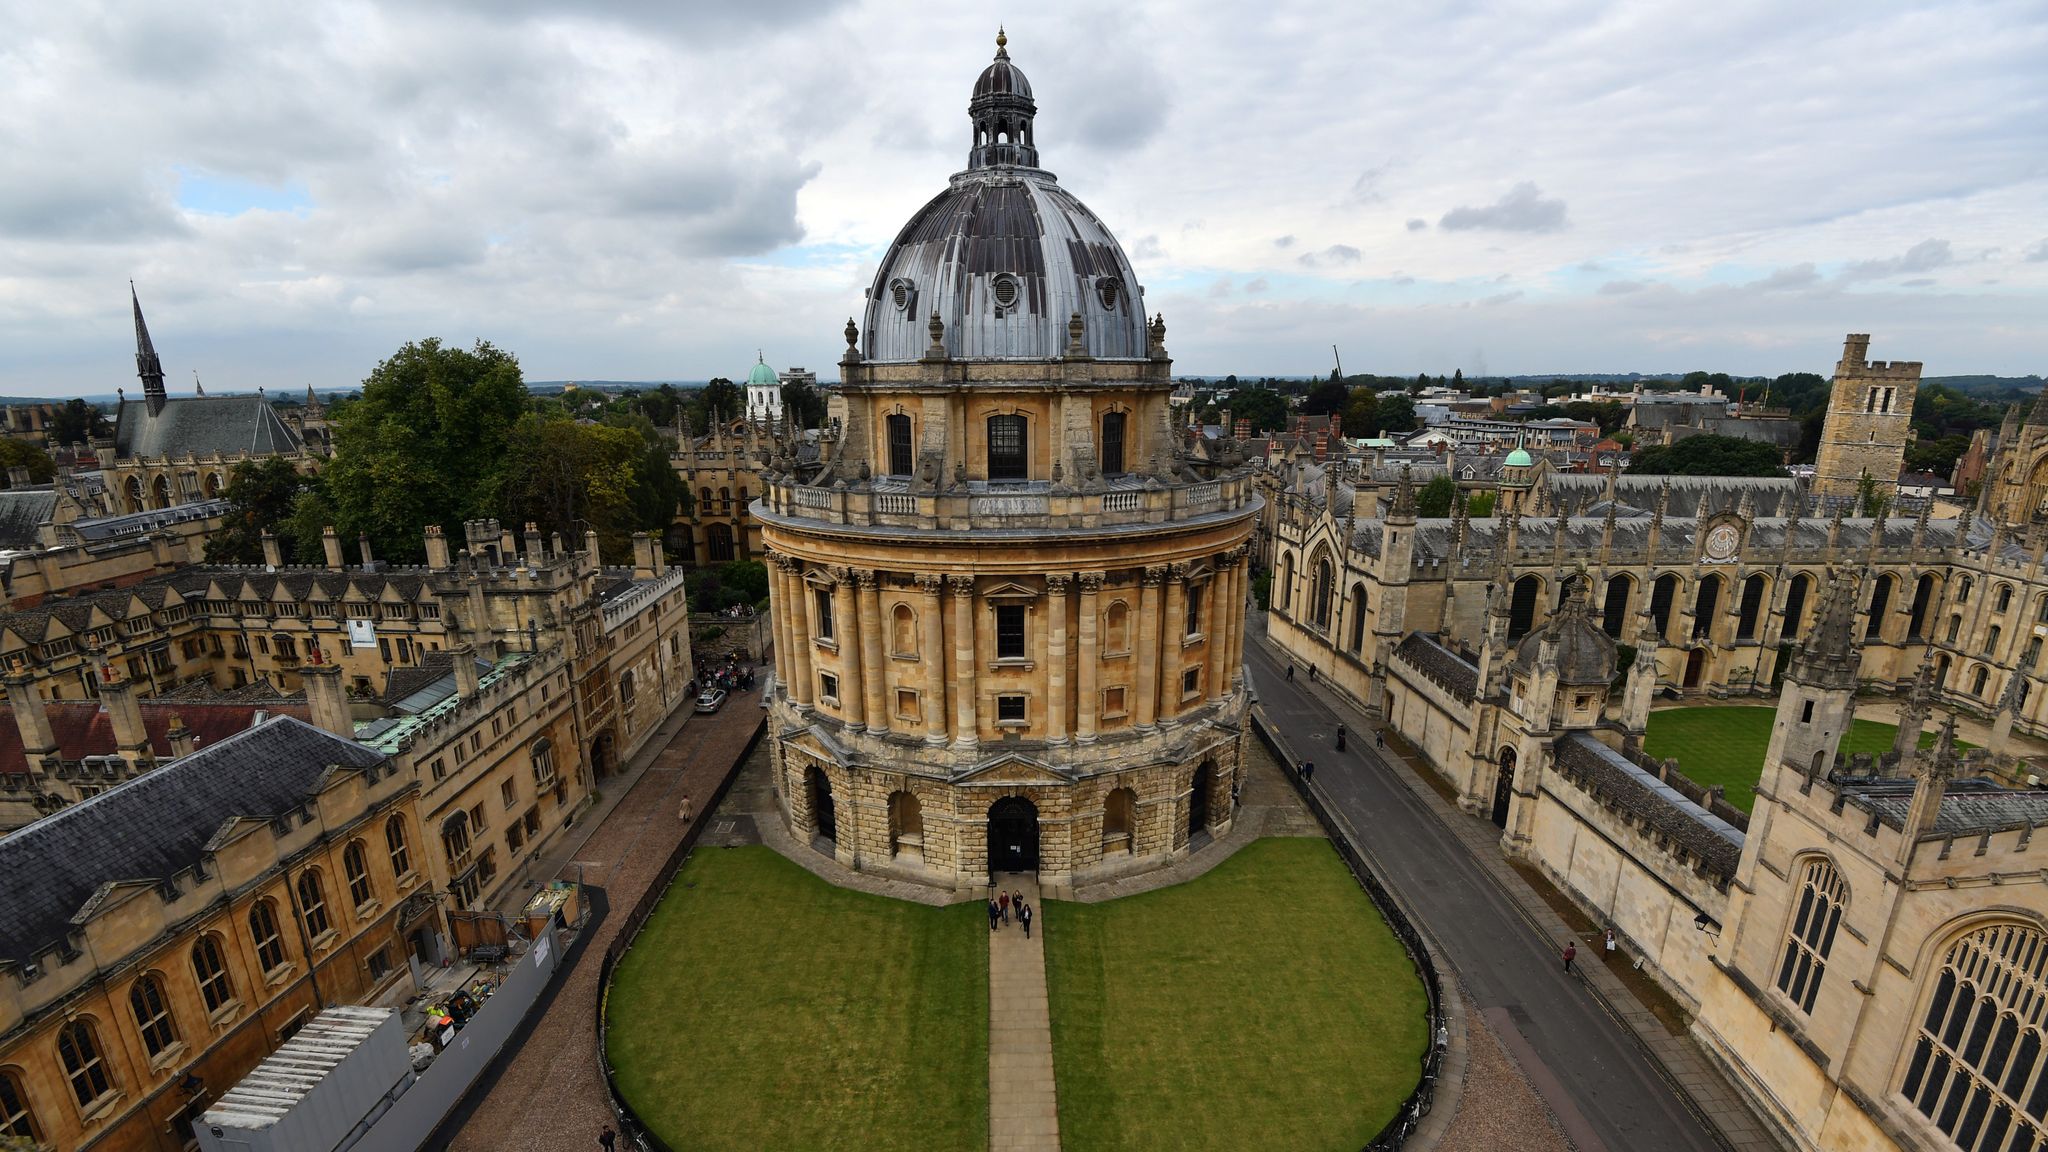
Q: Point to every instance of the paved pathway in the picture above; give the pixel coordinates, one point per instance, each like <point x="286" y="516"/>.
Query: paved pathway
<point x="1585" y="1062"/>
<point x="1023" y="1109"/>
<point x="550" y="1094"/>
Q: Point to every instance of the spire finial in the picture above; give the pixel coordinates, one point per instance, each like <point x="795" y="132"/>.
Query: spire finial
<point x="1002" y="43"/>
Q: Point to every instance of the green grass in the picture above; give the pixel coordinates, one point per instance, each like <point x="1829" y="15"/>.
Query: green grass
<point x="1726" y="745"/>
<point x="1265" y="1005"/>
<point x="764" y="1008"/>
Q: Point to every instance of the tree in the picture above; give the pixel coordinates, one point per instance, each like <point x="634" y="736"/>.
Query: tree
<point x="1325" y="398"/>
<point x="424" y="443"/>
<point x="569" y="477"/>
<point x="1265" y="408"/>
<point x="1396" y="413"/>
<point x="1480" y="504"/>
<point x="77" y="423"/>
<point x="721" y="399"/>
<point x="1708" y="456"/>
<point x="803" y="404"/>
<point x="1433" y="501"/>
<point x="1458" y="379"/>
<point x="1361" y="413"/>
<point x="21" y="454"/>
<point x="733" y="582"/>
<point x="261" y="494"/>
<point x="1869" y="501"/>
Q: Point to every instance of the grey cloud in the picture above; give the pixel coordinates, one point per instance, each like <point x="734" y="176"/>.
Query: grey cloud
<point x="1220" y="288"/>
<point x="1256" y="286"/>
<point x="1788" y="278"/>
<point x="1417" y="224"/>
<point x="1523" y="209"/>
<point x="1147" y="248"/>
<point x="1623" y="287"/>
<point x="1334" y="254"/>
<point x="2038" y="253"/>
<point x="1925" y="256"/>
<point x="656" y="15"/>
<point x="1499" y="298"/>
<point x="1917" y="282"/>
<point x="1287" y="241"/>
<point x="1366" y="189"/>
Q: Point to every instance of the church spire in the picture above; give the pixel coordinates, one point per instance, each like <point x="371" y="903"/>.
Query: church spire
<point x="147" y="365"/>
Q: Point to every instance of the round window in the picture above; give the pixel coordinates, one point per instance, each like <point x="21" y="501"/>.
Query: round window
<point x="899" y="292"/>
<point x="1006" y="292"/>
<point x="1108" y="289"/>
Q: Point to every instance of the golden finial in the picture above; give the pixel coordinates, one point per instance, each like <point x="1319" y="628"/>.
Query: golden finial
<point x="1002" y="41"/>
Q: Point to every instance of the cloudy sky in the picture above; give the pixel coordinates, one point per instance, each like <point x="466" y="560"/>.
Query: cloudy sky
<point x="644" y="189"/>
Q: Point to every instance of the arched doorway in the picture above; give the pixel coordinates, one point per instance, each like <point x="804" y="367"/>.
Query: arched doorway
<point x="819" y="791"/>
<point x="1503" y="787"/>
<point x="601" y="756"/>
<point x="1695" y="664"/>
<point x="1012" y="835"/>
<point x="1198" y="799"/>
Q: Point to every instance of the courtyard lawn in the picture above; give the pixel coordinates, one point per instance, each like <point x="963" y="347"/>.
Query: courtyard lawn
<point x="764" y="1008"/>
<point x="1726" y="745"/>
<point x="1265" y="1005"/>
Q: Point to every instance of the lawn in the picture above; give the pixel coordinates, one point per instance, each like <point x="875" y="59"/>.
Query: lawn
<point x="764" y="1008"/>
<point x="1726" y="746"/>
<point x="1265" y="1005"/>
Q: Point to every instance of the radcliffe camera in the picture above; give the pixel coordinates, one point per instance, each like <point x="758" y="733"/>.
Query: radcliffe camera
<point x="840" y="576"/>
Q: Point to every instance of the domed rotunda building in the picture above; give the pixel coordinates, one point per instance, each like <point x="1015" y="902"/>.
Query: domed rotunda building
<point x="1008" y="604"/>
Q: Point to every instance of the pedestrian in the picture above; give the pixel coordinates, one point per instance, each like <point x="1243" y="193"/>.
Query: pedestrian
<point x="1003" y="899"/>
<point x="686" y="813"/>
<point x="607" y="1139"/>
<point x="1311" y="672"/>
<point x="1340" y="737"/>
<point x="1290" y="673"/>
<point x="1024" y="914"/>
<point x="1610" y="940"/>
<point x="995" y="916"/>
<point x="1017" y="902"/>
<point x="1379" y="739"/>
<point x="1571" y="952"/>
<point x="1308" y="771"/>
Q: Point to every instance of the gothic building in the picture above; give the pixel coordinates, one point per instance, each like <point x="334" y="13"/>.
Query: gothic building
<point x="1008" y="603"/>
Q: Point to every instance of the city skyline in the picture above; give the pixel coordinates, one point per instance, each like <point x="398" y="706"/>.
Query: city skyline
<point x="642" y="194"/>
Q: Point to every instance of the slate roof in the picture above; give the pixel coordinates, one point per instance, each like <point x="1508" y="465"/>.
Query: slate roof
<point x="152" y="827"/>
<point x="1768" y="495"/>
<point x="1612" y="779"/>
<point x="296" y="585"/>
<point x="1445" y="668"/>
<point x="23" y="512"/>
<point x="1968" y="808"/>
<point x="96" y="528"/>
<point x="82" y="728"/>
<point x="201" y="426"/>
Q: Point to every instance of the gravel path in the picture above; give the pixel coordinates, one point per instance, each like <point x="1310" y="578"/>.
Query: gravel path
<point x="1498" y="1109"/>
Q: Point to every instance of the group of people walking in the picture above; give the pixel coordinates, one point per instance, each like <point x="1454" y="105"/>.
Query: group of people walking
<point x="1002" y="905"/>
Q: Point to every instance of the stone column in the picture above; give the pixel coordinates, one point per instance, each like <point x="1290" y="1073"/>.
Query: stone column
<point x="846" y="625"/>
<point x="1087" y="697"/>
<point x="1172" y="640"/>
<point x="801" y="683"/>
<point x="779" y="609"/>
<point x="933" y="659"/>
<point x="965" y="733"/>
<point x="1234" y="617"/>
<point x="1216" y="630"/>
<point x="1056" y="657"/>
<point x="873" y="671"/>
<point x="1147" y="687"/>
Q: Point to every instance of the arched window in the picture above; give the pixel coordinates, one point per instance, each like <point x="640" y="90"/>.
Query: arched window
<point x="313" y="903"/>
<point x="1112" y="443"/>
<point x="355" y="861"/>
<point x="1008" y="458"/>
<point x="1991" y="639"/>
<point x="1923" y="594"/>
<point x="78" y="1048"/>
<point x="1662" y="593"/>
<point x="1704" y="601"/>
<point x="1795" y="605"/>
<point x="1119" y="814"/>
<point x="212" y="970"/>
<point x="1977" y="681"/>
<point x="1880" y="599"/>
<point x="1319" y="593"/>
<point x="455" y="840"/>
<point x="152" y="1015"/>
<point x="1955" y="627"/>
<point x="1357" y="618"/>
<point x="718" y="541"/>
<point x="15" y="1118"/>
<point x="1116" y="629"/>
<point x="1812" y="933"/>
<point x="2004" y="597"/>
<point x="1614" y="611"/>
<point x="1963" y="593"/>
<point x="704" y="501"/>
<point x="1286" y="580"/>
<point x="1975" y="1067"/>
<point x="400" y="847"/>
<point x="903" y="632"/>
<point x="1522" y="607"/>
<point x="264" y="931"/>
<point x="900" y="453"/>
<point x="1752" y="607"/>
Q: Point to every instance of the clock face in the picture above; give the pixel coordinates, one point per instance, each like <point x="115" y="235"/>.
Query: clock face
<point x="1722" y="541"/>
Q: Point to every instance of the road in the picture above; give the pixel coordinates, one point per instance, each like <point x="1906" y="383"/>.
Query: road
<point x="1605" y="1088"/>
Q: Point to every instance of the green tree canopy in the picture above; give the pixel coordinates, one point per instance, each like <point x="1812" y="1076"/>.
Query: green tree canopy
<point x="803" y="404"/>
<point x="1708" y="456"/>
<point x="1433" y="500"/>
<point x="77" y="423"/>
<point x="1396" y="413"/>
<point x="1325" y="398"/>
<point x="423" y="443"/>
<point x="1361" y="413"/>
<point x="261" y="494"/>
<point x="1265" y="408"/>
<point x="21" y="454"/>
<point x="568" y="477"/>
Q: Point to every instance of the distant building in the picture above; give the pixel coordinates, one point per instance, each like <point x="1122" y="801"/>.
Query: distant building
<point x="764" y="393"/>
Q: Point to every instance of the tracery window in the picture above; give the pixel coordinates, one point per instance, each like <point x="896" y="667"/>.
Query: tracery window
<point x="212" y="970"/>
<point x="152" y="1015"/>
<point x="1819" y="911"/>
<point x="1973" y="1071"/>
<point x="79" y="1049"/>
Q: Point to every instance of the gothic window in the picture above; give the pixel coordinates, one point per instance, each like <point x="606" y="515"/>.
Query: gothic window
<point x="1973" y="1071"/>
<point x="903" y="631"/>
<point x="264" y="930"/>
<point x="1977" y="681"/>
<point x="400" y="848"/>
<point x="1319" y="593"/>
<point x="725" y="499"/>
<point x="1963" y="595"/>
<point x="1822" y="896"/>
<point x="2041" y="611"/>
<point x="718" y="540"/>
<point x="1662" y="593"/>
<point x="1357" y="618"/>
<point x="1879" y="601"/>
<point x="1704" y="602"/>
<point x="313" y="904"/>
<point x="1923" y="594"/>
<point x="1522" y="607"/>
<point x="2033" y="654"/>
<point x="1752" y="604"/>
<point x="355" y="861"/>
<point x="152" y="1015"/>
<point x="15" y="1118"/>
<point x="899" y="445"/>
<point x="1286" y="580"/>
<point x="455" y="840"/>
<point x="821" y="619"/>
<point x="1112" y="443"/>
<point x="2004" y="597"/>
<point x="1009" y="632"/>
<point x="212" y="970"/>
<point x="1614" y="612"/>
<point x="1006" y="448"/>
<point x="79" y="1050"/>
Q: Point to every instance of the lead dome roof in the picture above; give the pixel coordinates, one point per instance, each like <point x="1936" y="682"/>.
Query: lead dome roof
<point x="1004" y="256"/>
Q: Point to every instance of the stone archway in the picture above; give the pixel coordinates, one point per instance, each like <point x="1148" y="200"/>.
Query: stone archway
<point x="819" y="791"/>
<point x="1503" y="788"/>
<point x="1198" y="799"/>
<point x="1012" y="836"/>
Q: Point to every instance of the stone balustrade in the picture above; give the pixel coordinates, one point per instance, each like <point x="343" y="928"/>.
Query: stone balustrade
<point x="981" y="505"/>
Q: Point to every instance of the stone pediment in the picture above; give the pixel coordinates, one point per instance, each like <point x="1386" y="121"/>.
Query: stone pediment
<point x="1010" y="591"/>
<point x="1013" y="769"/>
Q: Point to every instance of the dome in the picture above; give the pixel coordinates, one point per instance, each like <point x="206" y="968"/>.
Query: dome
<point x="763" y="374"/>
<point x="1584" y="654"/>
<point x="1519" y="458"/>
<point x="1005" y="257"/>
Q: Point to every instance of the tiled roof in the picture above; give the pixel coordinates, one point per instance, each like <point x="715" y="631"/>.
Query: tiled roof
<point x="1443" y="666"/>
<point x="155" y="826"/>
<point x="23" y="512"/>
<point x="1662" y="809"/>
<point x="202" y="426"/>
<point x="82" y="728"/>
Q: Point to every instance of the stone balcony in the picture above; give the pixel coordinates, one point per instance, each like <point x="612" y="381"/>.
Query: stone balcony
<point x="1032" y="507"/>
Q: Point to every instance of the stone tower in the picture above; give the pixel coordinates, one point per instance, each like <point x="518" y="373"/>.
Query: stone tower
<point x="1869" y="413"/>
<point x="1818" y="699"/>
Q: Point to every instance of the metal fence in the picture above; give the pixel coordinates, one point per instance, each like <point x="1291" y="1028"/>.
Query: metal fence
<point x="631" y="1128"/>
<point x="1423" y="1098"/>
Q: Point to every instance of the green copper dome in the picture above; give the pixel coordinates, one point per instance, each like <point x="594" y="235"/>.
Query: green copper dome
<point x="1519" y="458"/>
<point x="762" y="374"/>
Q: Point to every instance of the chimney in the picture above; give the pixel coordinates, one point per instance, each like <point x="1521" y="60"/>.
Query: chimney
<point x="272" y="559"/>
<point x="590" y="545"/>
<point x="463" y="656"/>
<point x="645" y="553"/>
<point x="508" y="547"/>
<point x="331" y="541"/>
<point x="160" y="552"/>
<point x="31" y="717"/>
<point x="327" y="700"/>
<point x="117" y="696"/>
<point x="180" y="737"/>
<point x="437" y="548"/>
<point x="363" y="543"/>
<point x="555" y="544"/>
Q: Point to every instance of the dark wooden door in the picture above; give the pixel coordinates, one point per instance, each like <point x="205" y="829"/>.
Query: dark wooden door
<point x="1012" y="836"/>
